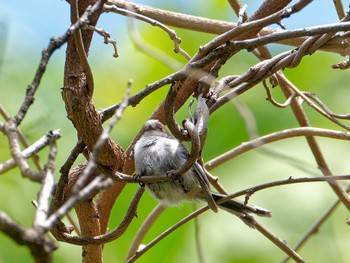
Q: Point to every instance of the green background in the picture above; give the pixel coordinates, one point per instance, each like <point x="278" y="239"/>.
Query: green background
<point x="224" y="238"/>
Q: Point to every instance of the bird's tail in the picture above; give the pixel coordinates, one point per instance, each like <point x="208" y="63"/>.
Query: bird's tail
<point x="242" y="210"/>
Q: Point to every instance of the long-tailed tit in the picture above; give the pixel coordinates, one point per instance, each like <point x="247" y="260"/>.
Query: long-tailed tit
<point x="157" y="153"/>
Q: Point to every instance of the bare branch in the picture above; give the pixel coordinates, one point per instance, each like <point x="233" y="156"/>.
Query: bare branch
<point x="156" y="53"/>
<point x="46" y="54"/>
<point x="284" y="134"/>
<point x="41" y="246"/>
<point x="12" y="135"/>
<point x="115" y="233"/>
<point x="106" y="36"/>
<point x="140" y="251"/>
<point x="47" y="188"/>
<point x="268" y="67"/>
<point x="141" y="233"/>
<point x="128" y="11"/>
<point x="31" y="150"/>
<point x="312" y="142"/>
<point x="315" y="228"/>
<point x="254" y="189"/>
<point x="21" y="137"/>
<point x="101" y="141"/>
<point x="339" y="7"/>
<point x="255" y="25"/>
<point x="81" y="49"/>
<point x="279" y="243"/>
<point x="218" y="27"/>
<point x="109" y="167"/>
<point x="290" y="180"/>
<point x="92" y="188"/>
<point x="236" y="6"/>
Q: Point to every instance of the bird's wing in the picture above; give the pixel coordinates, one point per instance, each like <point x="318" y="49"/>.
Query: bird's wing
<point x="204" y="182"/>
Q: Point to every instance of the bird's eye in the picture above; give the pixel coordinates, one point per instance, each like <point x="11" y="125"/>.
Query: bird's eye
<point x="160" y="127"/>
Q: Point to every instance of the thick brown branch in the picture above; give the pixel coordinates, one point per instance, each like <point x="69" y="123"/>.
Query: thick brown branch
<point x="78" y="103"/>
<point x="190" y="22"/>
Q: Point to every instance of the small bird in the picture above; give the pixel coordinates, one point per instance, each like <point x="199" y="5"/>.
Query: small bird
<point x="156" y="153"/>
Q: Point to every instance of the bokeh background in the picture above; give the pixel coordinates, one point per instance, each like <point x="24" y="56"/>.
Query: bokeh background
<point x="25" y="29"/>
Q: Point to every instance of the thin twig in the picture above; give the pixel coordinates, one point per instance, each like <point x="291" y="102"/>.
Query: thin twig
<point x="290" y="180"/>
<point x="135" y="99"/>
<point x="255" y="25"/>
<point x="156" y="53"/>
<point x="279" y="243"/>
<point x="46" y="55"/>
<point x="144" y="228"/>
<point x="106" y="36"/>
<point x="11" y="130"/>
<point x="284" y="134"/>
<point x="129" y="12"/>
<point x="140" y="252"/>
<point x="254" y="189"/>
<point x="322" y="110"/>
<point x="316" y="226"/>
<point x="325" y="108"/>
<point x="21" y="137"/>
<point x="312" y="142"/>
<point x="273" y="101"/>
<point x="115" y="233"/>
<point x="47" y="188"/>
<point x="287" y="34"/>
<point x="93" y="187"/>
<point x="31" y="150"/>
<point x="339" y="7"/>
<point x="198" y="243"/>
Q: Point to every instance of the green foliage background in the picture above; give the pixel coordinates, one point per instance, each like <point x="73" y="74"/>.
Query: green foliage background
<point x="224" y="238"/>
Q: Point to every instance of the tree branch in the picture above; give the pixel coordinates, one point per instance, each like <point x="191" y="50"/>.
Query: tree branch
<point x="280" y="135"/>
<point x="41" y="246"/>
<point x="190" y="22"/>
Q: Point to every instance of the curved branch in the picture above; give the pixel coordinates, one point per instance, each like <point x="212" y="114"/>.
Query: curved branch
<point x="316" y="226"/>
<point x="280" y="243"/>
<point x="146" y="225"/>
<point x="201" y="24"/>
<point x="31" y="150"/>
<point x="114" y="234"/>
<point x="81" y="50"/>
<point x="171" y="33"/>
<point x="284" y="134"/>
<point x="315" y="148"/>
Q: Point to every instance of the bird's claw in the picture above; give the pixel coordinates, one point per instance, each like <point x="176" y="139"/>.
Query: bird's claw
<point x="137" y="179"/>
